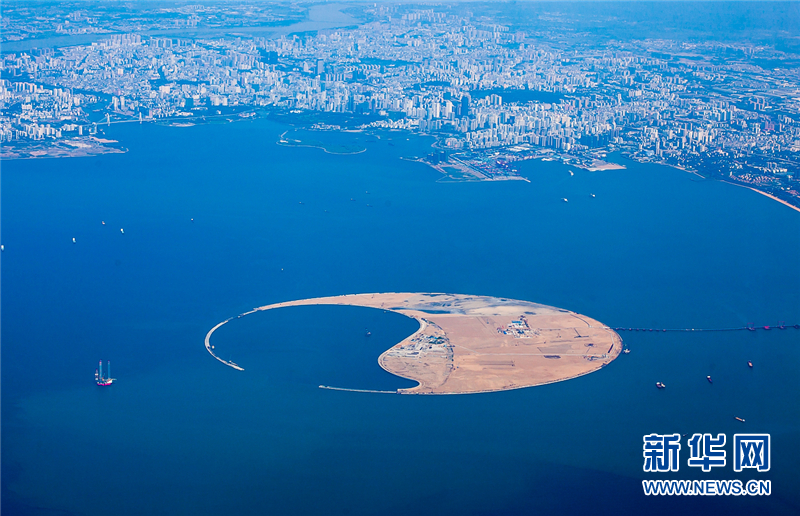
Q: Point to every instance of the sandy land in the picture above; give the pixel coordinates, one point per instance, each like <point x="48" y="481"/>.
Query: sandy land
<point x="598" y="165"/>
<point x="469" y="344"/>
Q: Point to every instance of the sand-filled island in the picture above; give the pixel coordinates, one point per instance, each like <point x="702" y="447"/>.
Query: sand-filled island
<point x="469" y="344"/>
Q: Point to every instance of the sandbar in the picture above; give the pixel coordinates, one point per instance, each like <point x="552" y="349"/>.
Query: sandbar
<point x="471" y="344"/>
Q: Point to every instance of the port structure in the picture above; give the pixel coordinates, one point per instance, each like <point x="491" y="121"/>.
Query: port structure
<point x="100" y="380"/>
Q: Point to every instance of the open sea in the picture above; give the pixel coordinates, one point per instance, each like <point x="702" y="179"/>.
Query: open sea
<point x="179" y="433"/>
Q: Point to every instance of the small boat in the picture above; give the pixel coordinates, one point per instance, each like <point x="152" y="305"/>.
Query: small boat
<point x="122" y="231"/>
<point x="626" y="351"/>
<point x="571" y="173"/>
<point x="767" y="328"/>
<point x="709" y="379"/>
<point x="192" y="220"/>
<point x="368" y="333"/>
<point x="564" y="199"/>
<point x="737" y="418"/>
<point x="2" y="248"/>
<point x="73" y="240"/>
<point x="750" y="363"/>
<point x="103" y="222"/>
<point x="660" y="385"/>
<point x="592" y="195"/>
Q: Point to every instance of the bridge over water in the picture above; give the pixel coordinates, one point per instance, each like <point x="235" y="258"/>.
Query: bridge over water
<point x="749" y="327"/>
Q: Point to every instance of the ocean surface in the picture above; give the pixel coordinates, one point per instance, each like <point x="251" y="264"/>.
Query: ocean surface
<point x="179" y="433"/>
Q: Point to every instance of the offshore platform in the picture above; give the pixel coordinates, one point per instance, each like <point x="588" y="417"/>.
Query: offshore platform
<point x="103" y="381"/>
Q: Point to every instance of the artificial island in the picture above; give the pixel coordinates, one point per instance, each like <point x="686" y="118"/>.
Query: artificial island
<point x="470" y="344"/>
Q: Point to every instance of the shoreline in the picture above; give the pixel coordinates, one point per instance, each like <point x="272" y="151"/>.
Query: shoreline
<point x="765" y="194"/>
<point x="476" y="176"/>
<point x="285" y="143"/>
<point x="45" y="156"/>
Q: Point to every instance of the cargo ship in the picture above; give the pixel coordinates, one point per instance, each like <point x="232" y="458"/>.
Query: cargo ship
<point x="103" y="381"/>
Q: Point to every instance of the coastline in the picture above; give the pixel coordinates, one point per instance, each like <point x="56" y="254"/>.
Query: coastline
<point x="283" y="141"/>
<point x="696" y="173"/>
<point x="683" y="169"/>
<point x="475" y="176"/>
<point x="792" y="206"/>
<point x="77" y="147"/>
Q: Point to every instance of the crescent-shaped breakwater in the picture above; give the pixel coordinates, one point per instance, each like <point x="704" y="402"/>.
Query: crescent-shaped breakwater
<point x="210" y="348"/>
<point x="471" y="344"/>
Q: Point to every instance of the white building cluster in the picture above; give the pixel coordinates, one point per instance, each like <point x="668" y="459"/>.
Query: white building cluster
<point x="479" y="85"/>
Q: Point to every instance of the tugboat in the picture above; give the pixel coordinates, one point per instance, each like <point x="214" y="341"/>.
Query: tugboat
<point x="709" y="379"/>
<point x="101" y="380"/>
<point x="660" y="385"/>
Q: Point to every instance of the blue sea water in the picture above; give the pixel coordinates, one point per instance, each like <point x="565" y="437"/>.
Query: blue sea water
<point x="179" y="433"/>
